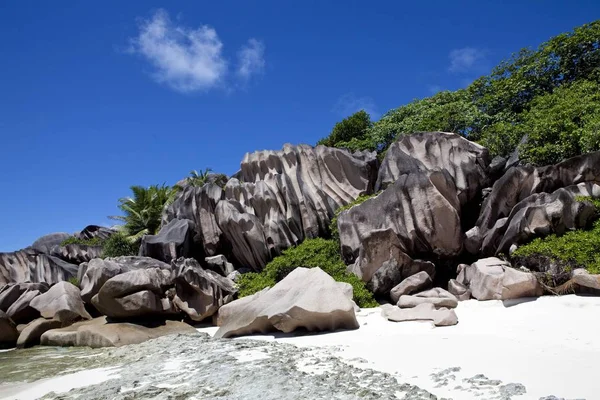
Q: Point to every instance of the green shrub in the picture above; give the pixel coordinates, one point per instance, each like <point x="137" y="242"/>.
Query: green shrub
<point x="73" y="280"/>
<point x="311" y="253"/>
<point x="85" y="242"/>
<point x="574" y="249"/>
<point x="333" y="229"/>
<point x="118" y="245"/>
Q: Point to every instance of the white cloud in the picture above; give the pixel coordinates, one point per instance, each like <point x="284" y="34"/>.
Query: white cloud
<point x="251" y="59"/>
<point x="467" y="59"/>
<point x="190" y="60"/>
<point x="433" y="89"/>
<point x="349" y="104"/>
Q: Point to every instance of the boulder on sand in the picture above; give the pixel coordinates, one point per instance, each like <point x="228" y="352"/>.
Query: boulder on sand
<point x="98" y="332"/>
<point x="62" y="302"/>
<point x="459" y="290"/>
<point x="422" y="312"/>
<point x="438" y="297"/>
<point x="412" y="284"/>
<point x="306" y="298"/>
<point x="30" y="335"/>
<point x="494" y="279"/>
<point x="200" y="292"/>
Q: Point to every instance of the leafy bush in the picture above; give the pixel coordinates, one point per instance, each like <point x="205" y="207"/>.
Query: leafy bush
<point x="96" y="241"/>
<point x="333" y="228"/>
<point x="118" y="245"/>
<point x="309" y="254"/>
<point x="351" y="133"/>
<point x="74" y="281"/>
<point x="574" y="249"/>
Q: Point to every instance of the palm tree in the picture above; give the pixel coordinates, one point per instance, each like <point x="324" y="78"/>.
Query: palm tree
<point x="198" y="178"/>
<point x="143" y="210"/>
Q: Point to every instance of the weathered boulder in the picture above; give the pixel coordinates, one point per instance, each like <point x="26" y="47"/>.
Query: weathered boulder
<point x="438" y="297"/>
<point x="30" y="335"/>
<point x="421" y="208"/>
<point x="75" y="253"/>
<point x="494" y="279"/>
<point x="62" y="303"/>
<point x="413" y="284"/>
<point x="93" y="231"/>
<point x="21" y="311"/>
<point x="174" y="240"/>
<point x="459" y="290"/>
<point x="47" y="242"/>
<point x="28" y="265"/>
<point x="518" y="183"/>
<point x="136" y="293"/>
<point x="11" y="292"/>
<point x="306" y="298"/>
<point x="98" y="332"/>
<point x="219" y="264"/>
<point x="200" y="292"/>
<point x="8" y="331"/>
<point x="94" y="274"/>
<point x="583" y="278"/>
<point x="465" y="161"/>
<point x="421" y="312"/>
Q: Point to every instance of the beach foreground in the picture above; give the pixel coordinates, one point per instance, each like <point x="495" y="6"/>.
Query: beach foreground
<point x="527" y="349"/>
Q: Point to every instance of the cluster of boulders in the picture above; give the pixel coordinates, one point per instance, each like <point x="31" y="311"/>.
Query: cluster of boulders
<point x="441" y="216"/>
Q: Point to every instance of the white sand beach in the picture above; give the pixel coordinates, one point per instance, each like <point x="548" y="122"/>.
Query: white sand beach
<point x="550" y="344"/>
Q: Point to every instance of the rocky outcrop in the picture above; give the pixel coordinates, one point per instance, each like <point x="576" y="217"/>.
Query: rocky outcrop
<point x="584" y="279"/>
<point x="306" y="298"/>
<point x="518" y="183"/>
<point x="200" y="292"/>
<point x="219" y="264"/>
<point x="30" y="335"/>
<point x="11" y="292"/>
<point x="21" y="311"/>
<point x="413" y="284"/>
<point x="465" y="161"/>
<point x="101" y="333"/>
<point x="95" y="231"/>
<point x="62" y="303"/>
<point x="174" y="240"/>
<point x="459" y="290"/>
<point x="75" y="253"/>
<point x="421" y="312"/>
<point x="494" y="279"/>
<point x="136" y="293"/>
<point x="8" y="332"/>
<point x="438" y="297"/>
<point x="421" y="208"/>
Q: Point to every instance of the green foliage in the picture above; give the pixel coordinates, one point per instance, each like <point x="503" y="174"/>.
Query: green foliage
<point x="309" y="254"/>
<point x="74" y="281"/>
<point x="351" y="133"/>
<point x="119" y="245"/>
<point x="96" y="241"/>
<point x="143" y="211"/>
<point x="199" y="179"/>
<point x="333" y="228"/>
<point x="574" y="249"/>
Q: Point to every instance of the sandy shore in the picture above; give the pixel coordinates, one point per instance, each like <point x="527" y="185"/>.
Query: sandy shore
<point x="550" y="345"/>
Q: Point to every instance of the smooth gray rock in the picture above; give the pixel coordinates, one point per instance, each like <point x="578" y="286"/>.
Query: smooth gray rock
<point x="28" y="265"/>
<point x="585" y="279"/>
<point x="421" y="312"/>
<point x="174" y="240"/>
<point x="306" y="298"/>
<point x="21" y="311"/>
<point x="94" y="274"/>
<point x="11" y="292"/>
<point x="47" y="242"/>
<point x="438" y="297"/>
<point x="93" y="231"/>
<point x="199" y="292"/>
<point x="98" y="332"/>
<point x="494" y="279"/>
<point x="413" y="284"/>
<point x="30" y="335"/>
<point x="459" y="290"/>
<point x="421" y="208"/>
<point x="465" y="161"/>
<point x="136" y="293"/>
<point x="219" y="264"/>
<point x="8" y="332"/>
<point x="76" y="253"/>
<point x="62" y="303"/>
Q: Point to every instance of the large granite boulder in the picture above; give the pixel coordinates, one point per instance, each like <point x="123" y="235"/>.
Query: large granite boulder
<point x="421" y="208"/>
<point x="75" y="253"/>
<point x="438" y="297"/>
<point x="219" y="264"/>
<point x="494" y="279"/>
<point x="306" y="298"/>
<point x="200" y="292"/>
<point x="136" y="293"/>
<point x="174" y="240"/>
<point x="8" y="332"/>
<point x="412" y="284"/>
<point x="30" y="335"/>
<point x="459" y="290"/>
<point x="28" y="265"/>
<point x="518" y="183"/>
<point x="99" y="332"/>
<point x="465" y="161"/>
<point x="21" y="311"/>
<point x="47" y="242"/>
<point x="95" y="231"/>
<point x="62" y="303"/>
<point x="92" y="275"/>
<point x="422" y="312"/>
<point x="11" y="292"/>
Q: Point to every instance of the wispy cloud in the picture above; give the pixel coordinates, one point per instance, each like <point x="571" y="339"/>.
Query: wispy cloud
<point x="433" y="89"/>
<point x="349" y="104"/>
<point x="251" y="59"/>
<point x="467" y="59"/>
<point x="190" y="59"/>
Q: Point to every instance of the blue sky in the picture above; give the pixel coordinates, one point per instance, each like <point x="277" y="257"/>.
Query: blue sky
<point x="98" y="96"/>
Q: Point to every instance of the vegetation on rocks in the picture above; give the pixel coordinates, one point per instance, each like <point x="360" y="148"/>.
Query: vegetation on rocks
<point x="311" y="253"/>
<point x="96" y="241"/>
<point x="119" y="245"/>
<point x="333" y="228"/>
